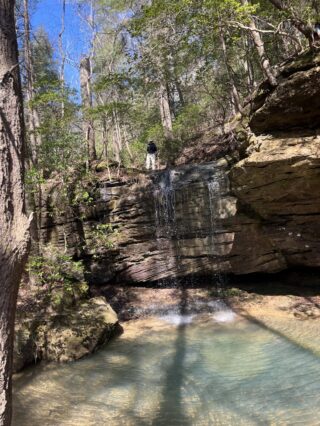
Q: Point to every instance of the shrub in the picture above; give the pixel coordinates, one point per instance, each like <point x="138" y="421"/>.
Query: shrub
<point x="60" y="276"/>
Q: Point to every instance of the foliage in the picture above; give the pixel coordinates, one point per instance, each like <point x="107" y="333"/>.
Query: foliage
<point x="100" y="238"/>
<point x="84" y="189"/>
<point x="61" y="139"/>
<point x="62" y="276"/>
<point x="200" y="51"/>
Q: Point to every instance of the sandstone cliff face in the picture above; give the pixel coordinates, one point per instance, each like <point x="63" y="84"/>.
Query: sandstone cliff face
<point x="260" y="214"/>
<point x="280" y="184"/>
<point x="295" y="102"/>
<point x="180" y="222"/>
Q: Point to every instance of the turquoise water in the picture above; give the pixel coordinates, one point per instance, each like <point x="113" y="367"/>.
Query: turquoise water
<point x="193" y="372"/>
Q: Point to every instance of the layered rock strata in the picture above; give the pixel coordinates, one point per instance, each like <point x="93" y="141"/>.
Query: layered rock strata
<point x="259" y="214"/>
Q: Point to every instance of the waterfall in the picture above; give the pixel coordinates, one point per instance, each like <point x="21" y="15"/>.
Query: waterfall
<point x="216" y="212"/>
<point x="166" y="231"/>
<point x="184" y="205"/>
<point x="183" y="196"/>
<point x="214" y="196"/>
<point x="164" y="197"/>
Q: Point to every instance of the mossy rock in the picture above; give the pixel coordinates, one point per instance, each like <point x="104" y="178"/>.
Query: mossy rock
<point x="61" y="337"/>
<point x="77" y="332"/>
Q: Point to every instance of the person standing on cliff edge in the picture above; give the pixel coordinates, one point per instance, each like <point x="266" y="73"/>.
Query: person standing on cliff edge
<point x="151" y="155"/>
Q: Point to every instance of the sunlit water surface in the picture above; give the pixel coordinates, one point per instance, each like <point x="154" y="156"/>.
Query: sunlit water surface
<point x="193" y="370"/>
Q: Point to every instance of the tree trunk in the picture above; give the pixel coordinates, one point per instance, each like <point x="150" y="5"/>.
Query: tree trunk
<point x="251" y="84"/>
<point x="104" y="139"/>
<point x="117" y="136"/>
<point x="180" y="93"/>
<point x="62" y="54"/>
<point x="115" y="144"/>
<point x="259" y="44"/>
<point x="126" y="142"/>
<point x="33" y="116"/>
<point x="165" y="111"/>
<point x="88" y="128"/>
<point x="234" y="94"/>
<point x="303" y="27"/>
<point x="14" y="226"/>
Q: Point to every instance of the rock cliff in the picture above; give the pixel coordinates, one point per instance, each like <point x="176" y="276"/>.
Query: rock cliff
<point x="256" y="210"/>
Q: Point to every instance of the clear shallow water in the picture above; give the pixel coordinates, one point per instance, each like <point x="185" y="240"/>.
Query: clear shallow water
<point x="162" y="372"/>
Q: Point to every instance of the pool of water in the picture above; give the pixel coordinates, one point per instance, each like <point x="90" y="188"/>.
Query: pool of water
<point x="199" y="370"/>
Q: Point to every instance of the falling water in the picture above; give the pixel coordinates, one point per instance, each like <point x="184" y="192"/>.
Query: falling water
<point x="172" y="191"/>
<point x="214" y="195"/>
<point x="166" y="231"/>
<point x="164" y="197"/>
<point x="215" y="187"/>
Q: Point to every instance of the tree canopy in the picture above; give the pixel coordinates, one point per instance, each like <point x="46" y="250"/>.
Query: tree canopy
<point x="163" y="70"/>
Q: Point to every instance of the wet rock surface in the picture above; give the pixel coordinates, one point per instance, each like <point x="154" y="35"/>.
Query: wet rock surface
<point x="259" y="215"/>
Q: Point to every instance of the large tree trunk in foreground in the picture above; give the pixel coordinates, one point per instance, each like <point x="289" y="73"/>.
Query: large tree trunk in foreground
<point x="88" y="128"/>
<point x="14" y="227"/>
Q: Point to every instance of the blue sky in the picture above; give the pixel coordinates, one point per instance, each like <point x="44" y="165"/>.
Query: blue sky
<point x="48" y="15"/>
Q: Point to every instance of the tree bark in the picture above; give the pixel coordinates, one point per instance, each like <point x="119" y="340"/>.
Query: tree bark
<point x="234" y="94"/>
<point x="259" y="44"/>
<point x="14" y="226"/>
<point x="117" y="136"/>
<point x="88" y="128"/>
<point x="251" y="84"/>
<point x="180" y="93"/>
<point x="165" y="112"/>
<point x="104" y="139"/>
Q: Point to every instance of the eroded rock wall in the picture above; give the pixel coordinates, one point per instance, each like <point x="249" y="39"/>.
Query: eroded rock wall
<point x="179" y="222"/>
<point x="259" y="214"/>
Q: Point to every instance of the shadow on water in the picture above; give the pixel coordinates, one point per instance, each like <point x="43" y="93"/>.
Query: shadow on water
<point x="171" y="410"/>
<point x="172" y="400"/>
<point x="278" y="333"/>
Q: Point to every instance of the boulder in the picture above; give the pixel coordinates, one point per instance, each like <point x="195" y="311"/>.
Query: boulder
<point x="77" y="332"/>
<point x="66" y="336"/>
